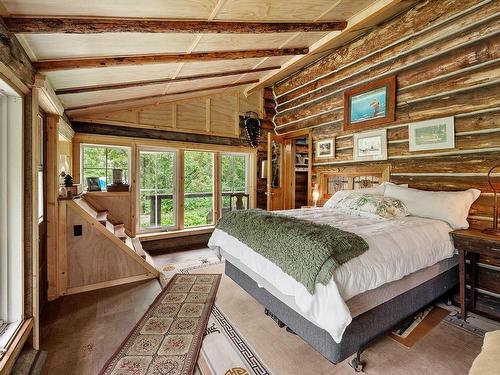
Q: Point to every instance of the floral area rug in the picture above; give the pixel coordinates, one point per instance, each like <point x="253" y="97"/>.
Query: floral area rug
<point x="168" y="338"/>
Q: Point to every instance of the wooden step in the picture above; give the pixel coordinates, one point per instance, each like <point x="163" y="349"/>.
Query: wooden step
<point x="138" y="246"/>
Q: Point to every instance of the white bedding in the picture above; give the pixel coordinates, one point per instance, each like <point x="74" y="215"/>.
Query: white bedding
<point x="397" y="248"/>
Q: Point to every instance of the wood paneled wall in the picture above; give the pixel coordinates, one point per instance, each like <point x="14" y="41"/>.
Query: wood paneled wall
<point x="216" y="115"/>
<point x="445" y="55"/>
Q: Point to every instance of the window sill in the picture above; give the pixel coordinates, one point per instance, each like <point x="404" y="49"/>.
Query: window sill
<point x="175" y="233"/>
<point x="15" y="346"/>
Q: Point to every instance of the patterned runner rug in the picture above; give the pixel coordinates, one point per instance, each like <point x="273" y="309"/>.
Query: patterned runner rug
<point x="225" y="351"/>
<point x="168" y="338"/>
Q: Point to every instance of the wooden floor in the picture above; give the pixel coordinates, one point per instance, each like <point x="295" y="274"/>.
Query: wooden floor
<point x="82" y="331"/>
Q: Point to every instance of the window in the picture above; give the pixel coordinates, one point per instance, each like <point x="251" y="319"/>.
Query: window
<point x="198" y="188"/>
<point x="157" y="190"/>
<point x="11" y="214"/>
<point x="99" y="161"/>
<point x="234" y="180"/>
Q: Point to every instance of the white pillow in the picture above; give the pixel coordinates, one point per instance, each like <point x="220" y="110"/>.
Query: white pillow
<point x="341" y="194"/>
<point x="379" y="189"/>
<point x="450" y="206"/>
<point x="373" y="205"/>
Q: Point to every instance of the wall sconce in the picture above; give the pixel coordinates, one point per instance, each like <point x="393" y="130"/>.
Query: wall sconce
<point x="263" y="169"/>
<point x="315" y="195"/>
<point x="493" y="231"/>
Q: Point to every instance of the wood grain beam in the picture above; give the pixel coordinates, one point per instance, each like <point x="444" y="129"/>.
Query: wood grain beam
<point x="114" y="86"/>
<point x="66" y="25"/>
<point x="125" y="131"/>
<point x="104" y="62"/>
<point x="122" y="101"/>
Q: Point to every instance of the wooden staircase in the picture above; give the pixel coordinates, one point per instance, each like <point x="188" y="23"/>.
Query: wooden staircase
<point x="116" y="258"/>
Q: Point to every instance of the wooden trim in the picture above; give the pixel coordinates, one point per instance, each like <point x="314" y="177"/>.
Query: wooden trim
<point x="52" y="211"/>
<point x="217" y="187"/>
<point x="88" y="25"/>
<point x="15" y="347"/>
<point x="114" y="86"/>
<point x="104" y="62"/>
<point x="123" y="101"/>
<point x="175" y="233"/>
<point x="111" y="283"/>
<point x="180" y="189"/>
<point x="49" y="101"/>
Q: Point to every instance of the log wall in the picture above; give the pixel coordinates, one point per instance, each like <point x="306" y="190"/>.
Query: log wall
<point x="446" y="56"/>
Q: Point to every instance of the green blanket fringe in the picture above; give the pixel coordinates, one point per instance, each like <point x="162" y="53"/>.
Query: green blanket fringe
<point x="306" y="251"/>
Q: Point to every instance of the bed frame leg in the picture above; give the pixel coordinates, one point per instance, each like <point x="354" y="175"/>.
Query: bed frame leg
<point x="356" y="362"/>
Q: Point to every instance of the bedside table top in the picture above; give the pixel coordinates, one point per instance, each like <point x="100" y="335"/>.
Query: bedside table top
<point x="474" y="234"/>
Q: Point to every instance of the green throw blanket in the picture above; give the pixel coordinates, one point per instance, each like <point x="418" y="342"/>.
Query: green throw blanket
<point x="306" y="251"/>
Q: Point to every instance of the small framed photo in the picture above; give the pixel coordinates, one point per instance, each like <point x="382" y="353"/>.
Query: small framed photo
<point x="325" y="148"/>
<point x="370" y="145"/>
<point x="370" y="105"/>
<point x="432" y="134"/>
<point x="93" y="184"/>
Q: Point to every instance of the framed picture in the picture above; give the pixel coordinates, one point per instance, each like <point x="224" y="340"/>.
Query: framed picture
<point x="370" y="145"/>
<point x="325" y="148"/>
<point x="93" y="184"/>
<point x="432" y="134"/>
<point x="370" y="105"/>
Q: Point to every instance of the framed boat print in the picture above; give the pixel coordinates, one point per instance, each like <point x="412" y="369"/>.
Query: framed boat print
<point x="432" y="134"/>
<point x="370" y="105"/>
<point x="325" y="148"/>
<point x="370" y="146"/>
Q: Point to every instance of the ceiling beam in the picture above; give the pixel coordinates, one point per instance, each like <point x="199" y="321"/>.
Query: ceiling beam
<point x="123" y="101"/>
<point x="104" y="62"/>
<point x="67" y="25"/>
<point x="115" y="86"/>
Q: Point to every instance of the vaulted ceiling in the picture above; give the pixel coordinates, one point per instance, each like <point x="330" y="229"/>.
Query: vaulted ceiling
<point x="103" y="52"/>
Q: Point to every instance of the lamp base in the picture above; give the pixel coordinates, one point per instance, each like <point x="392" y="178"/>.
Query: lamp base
<point x="492" y="231"/>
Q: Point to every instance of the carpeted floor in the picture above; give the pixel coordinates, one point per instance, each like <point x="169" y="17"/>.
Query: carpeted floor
<point x="82" y="331"/>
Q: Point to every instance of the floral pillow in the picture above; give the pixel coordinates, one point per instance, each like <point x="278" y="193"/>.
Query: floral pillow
<point x="373" y="206"/>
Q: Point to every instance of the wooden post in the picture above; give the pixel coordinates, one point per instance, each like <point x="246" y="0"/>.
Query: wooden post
<point x="52" y="211"/>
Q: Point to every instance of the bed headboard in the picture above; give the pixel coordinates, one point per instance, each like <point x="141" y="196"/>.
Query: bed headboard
<point x="331" y="180"/>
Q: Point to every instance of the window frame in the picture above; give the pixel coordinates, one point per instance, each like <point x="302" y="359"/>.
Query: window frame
<point x="176" y="194"/>
<point x="11" y="216"/>
<point x="247" y="174"/>
<point x="215" y="189"/>
<point x="104" y="146"/>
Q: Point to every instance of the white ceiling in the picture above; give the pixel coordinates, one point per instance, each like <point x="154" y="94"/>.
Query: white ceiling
<point x="56" y="46"/>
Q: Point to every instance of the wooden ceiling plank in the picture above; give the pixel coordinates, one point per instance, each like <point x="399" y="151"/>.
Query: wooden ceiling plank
<point x="73" y="25"/>
<point x="104" y="62"/>
<point x="122" y="101"/>
<point x="114" y="86"/>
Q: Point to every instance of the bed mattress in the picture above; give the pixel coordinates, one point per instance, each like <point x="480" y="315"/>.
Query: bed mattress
<point x="397" y="248"/>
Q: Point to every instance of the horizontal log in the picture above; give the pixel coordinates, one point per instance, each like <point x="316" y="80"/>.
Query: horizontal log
<point x="437" y="53"/>
<point x="115" y="86"/>
<point x="104" y="62"/>
<point x="445" y="183"/>
<point x="68" y="25"/>
<point x="124" y="131"/>
<point x="131" y="100"/>
<point x="13" y="55"/>
<point x="423" y="19"/>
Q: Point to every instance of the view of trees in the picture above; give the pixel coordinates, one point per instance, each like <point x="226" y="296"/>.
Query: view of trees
<point x="157" y="182"/>
<point x="198" y="180"/>
<point x="157" y="178"/>
<point x="100" y="161"/>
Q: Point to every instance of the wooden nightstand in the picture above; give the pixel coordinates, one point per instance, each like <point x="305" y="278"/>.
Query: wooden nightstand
<point x="479" y="263"/>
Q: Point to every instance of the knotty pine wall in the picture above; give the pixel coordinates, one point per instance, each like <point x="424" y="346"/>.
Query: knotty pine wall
<point x="446" y="58"/>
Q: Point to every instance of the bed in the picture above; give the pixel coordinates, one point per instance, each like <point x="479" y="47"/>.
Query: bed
<point x="409" y="264"/>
